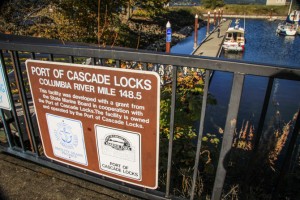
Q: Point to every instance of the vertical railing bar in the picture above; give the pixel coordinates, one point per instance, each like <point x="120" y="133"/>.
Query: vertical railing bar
<point x="101" y="62"/>
<point x="287" y="158"/>
<point x="13" y="108"/>
<point x="145" y="66"/>
<point x="94" y="61"/>
<point x="258" y="132"/>
<point x="6" y="128"/>
<point x="71" y="59"/>
<point x="51" y="57"/>
<point x="200" y="133"/>
<point x="24" y="102"/>
<point x="118" y="65"/>
<point x="172" y="124"/>
<point x="33" y="55"/>
<point x="231" y="119"/>
<point x="263" y="113"/>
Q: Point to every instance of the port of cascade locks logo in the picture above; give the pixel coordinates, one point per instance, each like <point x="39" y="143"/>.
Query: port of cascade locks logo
<point x="119" y="152"/>
<point x="117" y="142"/>
<point x="65" y="137"/>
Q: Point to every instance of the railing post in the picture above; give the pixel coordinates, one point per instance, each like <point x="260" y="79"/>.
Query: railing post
<point x="24" y="102"/>
<point x="172" y="119"/>
<point x="200" y="133"/>
<point x="71" y="59"/>
<point x="263" y="114"/>
<point x="231" y="119"/>
<point x="219" y="17"/>
<point x="168" y="37"/>
<point x="215" y="18"/>
<point x="13" y="108"/>
<point x="208" y="23"/>
<point x="118" y="64"/>
<point x="196" y="32"/>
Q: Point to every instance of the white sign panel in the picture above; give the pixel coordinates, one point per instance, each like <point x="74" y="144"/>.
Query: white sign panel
<point x="4" y="99"/>
<point x="119" y="152"/>
<point x="67" y="138"/>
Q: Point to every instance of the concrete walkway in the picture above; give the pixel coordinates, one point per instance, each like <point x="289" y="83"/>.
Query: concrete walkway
<point x="211" y="45"/>
<point x="21" y="179"/>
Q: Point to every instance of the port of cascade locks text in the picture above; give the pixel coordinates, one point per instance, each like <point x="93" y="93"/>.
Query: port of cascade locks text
<point x="110" y="111"/>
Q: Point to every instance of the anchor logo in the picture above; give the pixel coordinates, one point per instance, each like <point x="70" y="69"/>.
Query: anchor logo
<point x="65" y="137"/>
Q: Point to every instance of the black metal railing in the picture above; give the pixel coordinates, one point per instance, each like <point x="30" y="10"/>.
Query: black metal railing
<point x="22" y="135"/>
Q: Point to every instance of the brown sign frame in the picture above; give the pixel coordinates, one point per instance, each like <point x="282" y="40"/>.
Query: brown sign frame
<point x="100" y="119"/>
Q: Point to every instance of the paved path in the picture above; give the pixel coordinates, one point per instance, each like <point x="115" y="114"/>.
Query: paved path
<point x="211" y="45"/>
<point x="21" y="179"/>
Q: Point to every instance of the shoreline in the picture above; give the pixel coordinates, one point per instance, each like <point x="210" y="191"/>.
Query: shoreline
<point x="177" y="36"/>
<point x="275" y="17"/>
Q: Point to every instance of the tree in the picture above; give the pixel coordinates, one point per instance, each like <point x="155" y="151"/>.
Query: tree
<point x="151" y="6"/>
<point x="212" y="3"/>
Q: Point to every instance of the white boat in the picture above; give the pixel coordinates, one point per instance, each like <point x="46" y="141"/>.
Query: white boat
<point x="286" y="29"/>
<point x="234" y="38"/>
<point x="290" y="25"/>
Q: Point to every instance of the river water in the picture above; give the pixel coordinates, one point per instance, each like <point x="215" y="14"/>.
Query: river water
<point x="263" y="45"/>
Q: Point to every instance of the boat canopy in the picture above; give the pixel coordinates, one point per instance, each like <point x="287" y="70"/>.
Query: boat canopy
<point x="235" y="31"/>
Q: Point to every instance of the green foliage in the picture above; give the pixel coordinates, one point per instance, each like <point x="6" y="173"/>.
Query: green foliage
<point x="255" y="9"/>
<point x="188" y="102"/>
<point x="178" y="18"/>
<point x="141" y="13"/>
<point x="212" y="3"/>
<point x="187" y="111"/>
<point x="66" y="20"/>
<point x="153" y="7"/>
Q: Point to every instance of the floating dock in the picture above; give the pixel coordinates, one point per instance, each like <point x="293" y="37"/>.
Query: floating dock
<point x="211" y="46"/>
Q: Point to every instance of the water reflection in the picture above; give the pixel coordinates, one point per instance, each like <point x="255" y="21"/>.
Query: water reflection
<point x="289" y="39"/>
<point x="234" y="55"/>
<point x="263" y="46"/>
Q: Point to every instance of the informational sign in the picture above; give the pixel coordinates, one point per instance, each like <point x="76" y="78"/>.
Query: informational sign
<point x="4" y="98"/>
<point x="169" y="35"/>
<point x="100" y="119"/>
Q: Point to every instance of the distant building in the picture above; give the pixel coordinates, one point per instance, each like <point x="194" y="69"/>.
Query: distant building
<point x="245" y="2"/>
<point x="262" y="2"/>
<point x="277" y="2"/>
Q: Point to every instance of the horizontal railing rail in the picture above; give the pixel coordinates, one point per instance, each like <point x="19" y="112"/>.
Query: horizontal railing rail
<point x="22" y="136"/>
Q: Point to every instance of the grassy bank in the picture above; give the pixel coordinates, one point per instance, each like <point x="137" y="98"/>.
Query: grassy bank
<point x="239" y="9"/>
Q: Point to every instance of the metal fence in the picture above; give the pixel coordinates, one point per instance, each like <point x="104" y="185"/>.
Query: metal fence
<point x="20" y="135"/>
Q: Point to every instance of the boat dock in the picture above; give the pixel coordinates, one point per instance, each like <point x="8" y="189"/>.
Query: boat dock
<point x="211" y="46"/>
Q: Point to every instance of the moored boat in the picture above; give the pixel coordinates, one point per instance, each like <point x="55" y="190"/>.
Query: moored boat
<point x="286" y="29"/>
<point x="290" y="25"/>
<point x="234" y="38"/>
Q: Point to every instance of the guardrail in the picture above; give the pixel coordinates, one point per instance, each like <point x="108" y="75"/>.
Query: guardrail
<point x="181" y="175"/>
